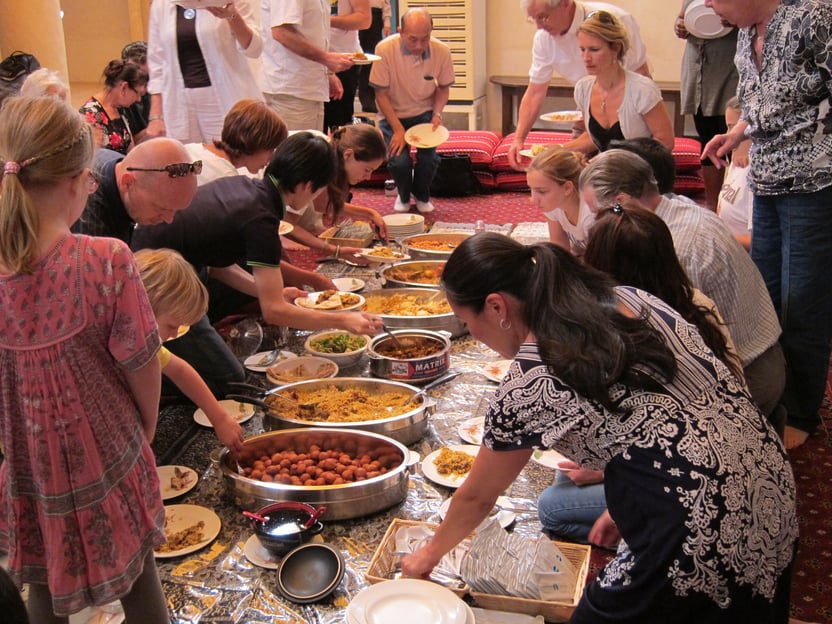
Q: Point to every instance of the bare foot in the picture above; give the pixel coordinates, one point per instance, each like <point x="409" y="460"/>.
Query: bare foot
<point x="794" y="437"/>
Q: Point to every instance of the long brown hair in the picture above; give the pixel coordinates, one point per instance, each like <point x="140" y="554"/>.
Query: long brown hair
<point x="635" y="247"/>
<point x="367" y="145"/>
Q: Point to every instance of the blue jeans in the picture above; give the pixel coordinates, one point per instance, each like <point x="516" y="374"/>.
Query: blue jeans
<point x="410" y="180"/>
<point x="792" y="247"/>
<point x="204" y="349"/>
<point x="569" y="511"/>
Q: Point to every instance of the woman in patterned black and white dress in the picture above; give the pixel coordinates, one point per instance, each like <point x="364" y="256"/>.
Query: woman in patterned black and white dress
<point x="698" y="485"/>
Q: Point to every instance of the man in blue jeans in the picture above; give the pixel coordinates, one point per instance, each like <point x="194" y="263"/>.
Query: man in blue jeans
<point x="412" y="83"/>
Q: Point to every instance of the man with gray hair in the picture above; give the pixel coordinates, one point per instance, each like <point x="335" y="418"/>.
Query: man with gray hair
<point x="715" y="262"/>
<point x="555" y="49"/>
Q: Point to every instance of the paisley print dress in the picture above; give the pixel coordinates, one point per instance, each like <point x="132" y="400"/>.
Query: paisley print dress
<point x="79" y="494"/>
<point x="696" y="481"/>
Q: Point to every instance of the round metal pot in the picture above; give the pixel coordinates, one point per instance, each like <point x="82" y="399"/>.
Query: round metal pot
<point x="446" y="321"/>
<point x="413" y="370"/>
<point x="406" y="428"/>
<point x="413" y="274"/>
<point x="441" y="246"/>
<point x="345" y="501"/>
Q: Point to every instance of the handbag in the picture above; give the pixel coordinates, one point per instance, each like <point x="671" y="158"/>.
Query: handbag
<point x="454" y="177"/>
<point x="13" y="71"/>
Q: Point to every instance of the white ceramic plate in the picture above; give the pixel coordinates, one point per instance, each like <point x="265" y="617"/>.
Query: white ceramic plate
<point x="504" y="517"/>
<point x="471" y="430"/>
<point x="168" y="473"/>
<point x="309" y="302"/>
<point x="402" y="220"/>
<point x="180" y="517"/>
<point x="563" y="117"/>
<point x="370" y="58"/>
<point x="285" y="228"/>
<point x="549" y="458"/>
<point x="451" y="481"/>
<point x="526" y="153"/>
<point x="702" y="22"/>
<point x="348" y="284"/>
<point x="240" y="412"/>
<point x="257" y="554"/>
<point x="495" y="371"/>
<point x="301" y="369"/>
<point x="370" y="257"/>
<point x="423" y="135"/>
<point x="252" y="361"/>
<point x="408" y="601"/>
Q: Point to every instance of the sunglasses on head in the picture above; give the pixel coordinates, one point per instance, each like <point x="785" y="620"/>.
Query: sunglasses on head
<point x="602" y="16"/>
<point x="175" y="170"/>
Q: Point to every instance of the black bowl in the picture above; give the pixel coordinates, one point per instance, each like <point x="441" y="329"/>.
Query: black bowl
<point x="310" y="573"/>
<point x="283" y="531"/>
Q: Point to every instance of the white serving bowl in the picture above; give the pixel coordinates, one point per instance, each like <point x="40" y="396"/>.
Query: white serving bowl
<point x="348" y="358"/>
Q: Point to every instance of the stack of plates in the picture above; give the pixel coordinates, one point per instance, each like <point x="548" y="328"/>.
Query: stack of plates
<point x="408" y="601"/>
<point x="402" y="225"/>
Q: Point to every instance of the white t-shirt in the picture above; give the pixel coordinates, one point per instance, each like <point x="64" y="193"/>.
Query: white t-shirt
<point x="560" y="54"/>
<point x="736" y="201"/>
<point x="577" y="233"/>
<point x="213" y="166"/>
<point x="344" y="40"/>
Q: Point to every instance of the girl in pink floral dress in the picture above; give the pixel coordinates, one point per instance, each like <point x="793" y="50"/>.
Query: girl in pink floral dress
<point x="80" y="509"/>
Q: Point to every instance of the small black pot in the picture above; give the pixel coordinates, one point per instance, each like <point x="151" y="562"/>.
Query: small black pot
<point x="284" y="531"/>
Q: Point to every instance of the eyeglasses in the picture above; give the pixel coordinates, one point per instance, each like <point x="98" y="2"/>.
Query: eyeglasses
<point x="175" y="170"/>
<point x="540" y="18"/>
<point x="602" y="16"/>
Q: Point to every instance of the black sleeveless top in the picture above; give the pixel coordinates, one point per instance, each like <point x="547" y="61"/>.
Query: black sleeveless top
<point x="602" y="136"/>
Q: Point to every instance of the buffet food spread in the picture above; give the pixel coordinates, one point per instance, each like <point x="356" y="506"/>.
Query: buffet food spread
<point x="369" y="484"/>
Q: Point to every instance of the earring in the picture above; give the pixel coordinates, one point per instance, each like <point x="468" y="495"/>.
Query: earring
<point x="505" y="325"/>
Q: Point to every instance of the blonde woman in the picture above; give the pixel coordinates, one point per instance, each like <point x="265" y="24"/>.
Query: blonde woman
<point x="616" y="103"/>
<point x="553" y="178"/>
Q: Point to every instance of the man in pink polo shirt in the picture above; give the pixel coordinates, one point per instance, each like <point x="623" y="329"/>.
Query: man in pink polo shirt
<point x="412" y="83"/>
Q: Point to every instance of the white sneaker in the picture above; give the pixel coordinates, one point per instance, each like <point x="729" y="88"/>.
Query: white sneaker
<point x="400" y="206"/>
<point x="424" y="207"/>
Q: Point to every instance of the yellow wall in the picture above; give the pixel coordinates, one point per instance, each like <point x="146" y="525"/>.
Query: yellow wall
<point x="96" y="31"/>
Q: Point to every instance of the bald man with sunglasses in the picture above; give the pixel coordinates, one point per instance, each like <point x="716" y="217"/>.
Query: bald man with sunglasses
<point x="555" y="50"/>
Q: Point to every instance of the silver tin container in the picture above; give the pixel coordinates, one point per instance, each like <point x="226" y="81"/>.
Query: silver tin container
<point x="411" y="370"/>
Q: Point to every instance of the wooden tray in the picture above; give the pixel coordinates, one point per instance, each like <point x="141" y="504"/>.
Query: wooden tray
<point x="385" y="561"/>
<point x="328" y="235"/>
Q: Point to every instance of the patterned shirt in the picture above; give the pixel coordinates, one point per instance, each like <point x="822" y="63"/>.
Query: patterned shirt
<point x="718" y="266"/>
<point x="787" y="104"/>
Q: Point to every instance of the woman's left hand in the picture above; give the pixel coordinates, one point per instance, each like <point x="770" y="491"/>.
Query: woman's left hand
<point x="604" y="532"/>
<point x="229" y="11"/>
<point x="418" y="564"/>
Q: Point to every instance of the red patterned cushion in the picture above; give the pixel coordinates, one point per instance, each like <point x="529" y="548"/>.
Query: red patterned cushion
<point x="535" y="137"/>
<point x="688" y="183"/>
<point x="478" y="144"/>
<point x="487" y="180"/>
<point x="686" y="154"/>
<point x="511" y="181"/>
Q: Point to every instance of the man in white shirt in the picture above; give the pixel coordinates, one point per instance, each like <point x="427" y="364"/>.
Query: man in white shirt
<point x="298" y="68"/>
<point x="555" y="49"/>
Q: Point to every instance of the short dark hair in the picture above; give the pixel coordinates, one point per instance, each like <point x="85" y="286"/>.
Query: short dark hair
<point x="303" y="157"/>
<point x="657" y="156"/>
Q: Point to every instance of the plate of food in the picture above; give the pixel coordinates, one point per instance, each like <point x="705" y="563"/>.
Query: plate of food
<point x="382" y="254"/>
<point x="563" y="117"/>
<point x="188" y="528"/>
<point x="495" y="371"/>
<point x="241" y="412"/>
<point x="534" y="150"/>
<point x="176" y="480"/>
<point x="301" y="369"/>
<point x="362" y="58"/>
<point x="703" y="22"/>
<point x="423" y="135"/>
<point x="450" y="465"/>
<point x="285" y="228"/>
<point x="255" y="363"/>
<point x="471" y="430"/>
<point x="548" y="458"/>
<point x="504" y="517"/>
<point x="330" y="300"/>
<point x="349" y="284"/>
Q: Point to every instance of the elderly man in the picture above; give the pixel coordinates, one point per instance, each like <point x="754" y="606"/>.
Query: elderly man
<point x="412" y="83"/>
<point x="555" y="49"/>
<point x="298" y="67"/>
<point x="715" y="262"/>
<point x="147" y="187"/>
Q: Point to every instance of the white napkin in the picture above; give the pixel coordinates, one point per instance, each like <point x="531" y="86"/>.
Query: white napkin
<point x="503" y="563"/>
<point x="409" y="539"/>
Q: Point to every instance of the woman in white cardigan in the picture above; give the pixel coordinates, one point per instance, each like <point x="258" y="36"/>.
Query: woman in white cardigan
<point x="616" y="103"/>
<point x="199" y="67"/>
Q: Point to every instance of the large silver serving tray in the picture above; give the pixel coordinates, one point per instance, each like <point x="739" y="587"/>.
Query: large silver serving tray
<point x="437" y="322"/>
<point x="444" y="245"/>
<point x="406" y="428"/>
<point x="395" y="275"/>
<point x="348" y="500"/>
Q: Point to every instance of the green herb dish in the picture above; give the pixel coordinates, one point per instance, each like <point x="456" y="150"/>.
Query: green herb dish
<point x="342" y="347"/>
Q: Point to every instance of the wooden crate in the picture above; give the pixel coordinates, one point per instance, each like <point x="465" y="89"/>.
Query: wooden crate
<point x="385" y="562"/>
<point x="329" y="236"/>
